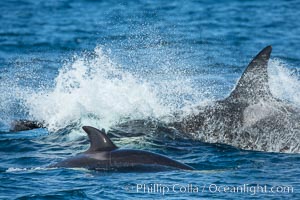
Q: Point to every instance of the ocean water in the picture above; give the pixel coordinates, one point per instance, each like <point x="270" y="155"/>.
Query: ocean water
<point x="99" y="63"/>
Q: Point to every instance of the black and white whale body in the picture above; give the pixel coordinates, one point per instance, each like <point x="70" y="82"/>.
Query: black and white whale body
<point x="103" y="154"/>
<point x="250" y="118"/>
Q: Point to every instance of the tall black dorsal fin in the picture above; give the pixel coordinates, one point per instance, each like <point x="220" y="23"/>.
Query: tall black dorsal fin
<point x="99" y="140"/>
<point x="253" y="85"/>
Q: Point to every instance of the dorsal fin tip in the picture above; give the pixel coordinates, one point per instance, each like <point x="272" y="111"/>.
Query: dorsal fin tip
<point x="99" y="141"/>
<point x="268" y="49"/>
<point x="253" y="84"/>
<point x="264" y="54"/>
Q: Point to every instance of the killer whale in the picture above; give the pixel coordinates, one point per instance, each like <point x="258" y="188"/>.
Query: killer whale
<point x="103" y="154"/>
<point x="249" y="118"/>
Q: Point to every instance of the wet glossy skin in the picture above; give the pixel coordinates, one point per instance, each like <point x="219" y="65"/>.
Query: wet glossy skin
<point x="120" y="158"/>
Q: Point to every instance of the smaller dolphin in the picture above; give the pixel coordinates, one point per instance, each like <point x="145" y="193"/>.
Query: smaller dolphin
<point x="103" y="154"/>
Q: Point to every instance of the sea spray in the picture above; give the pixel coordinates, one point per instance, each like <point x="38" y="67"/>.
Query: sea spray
<point x="284" y="84"/>
<point x="96" y="92"/>
<point x="92" y="89"/>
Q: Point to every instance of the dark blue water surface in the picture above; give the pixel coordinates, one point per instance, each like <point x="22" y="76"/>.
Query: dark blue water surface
<point x="195" y="49"/>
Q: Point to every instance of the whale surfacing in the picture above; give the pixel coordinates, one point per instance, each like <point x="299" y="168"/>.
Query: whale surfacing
<point x="250" y="117"/>
<point x="103" y="154"/>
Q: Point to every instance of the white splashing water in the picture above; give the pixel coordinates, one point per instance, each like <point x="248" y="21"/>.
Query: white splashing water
<point x="97" y="92"/>
<point x="283" y="83"/>
<point x="13" y="169"/>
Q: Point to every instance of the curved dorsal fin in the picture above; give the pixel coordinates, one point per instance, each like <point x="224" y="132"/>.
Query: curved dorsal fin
<point x="99" y="140"/>
<point x="253" y="85"/>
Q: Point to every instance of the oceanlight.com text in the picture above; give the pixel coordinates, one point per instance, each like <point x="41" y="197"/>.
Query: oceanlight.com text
<point x="251" y="189"/>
